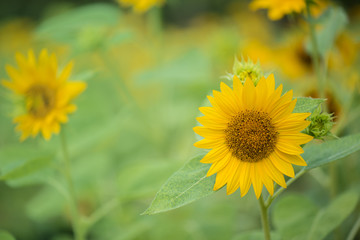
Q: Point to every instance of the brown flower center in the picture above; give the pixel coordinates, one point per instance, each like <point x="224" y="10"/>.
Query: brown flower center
<point x="251" y="136"/>
<point x="40" y="100"/>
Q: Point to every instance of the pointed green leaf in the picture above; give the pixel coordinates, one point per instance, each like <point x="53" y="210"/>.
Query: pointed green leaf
<point x="333" y="215"/>
<point x="307" y="104"/>
<point x="183" y="187"/>
<point x="317" y="155"/>
<point x="27" y="168"/>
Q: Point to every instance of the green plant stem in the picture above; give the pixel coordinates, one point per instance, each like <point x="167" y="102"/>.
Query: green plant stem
<point x="354" y="230"/>
<point x="270" y="199"/>
<point x="264" y="218"/>
<point x="315" y="52"/>
<point x="79" y="231"/>
<point x="102" y="212"/>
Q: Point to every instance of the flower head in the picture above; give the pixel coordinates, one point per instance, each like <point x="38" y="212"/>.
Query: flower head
<point x="279" y="8"/>
<point x="141" y="6"/>
<point x="253" y="135"/>
<point x="46" y="94"/>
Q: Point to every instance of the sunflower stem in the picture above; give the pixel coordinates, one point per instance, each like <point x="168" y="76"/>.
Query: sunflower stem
<point x="79" y="231"/>
<point x="270" y="199"/>
<point x="315" y="52"/>
<point x="264" y="218"/>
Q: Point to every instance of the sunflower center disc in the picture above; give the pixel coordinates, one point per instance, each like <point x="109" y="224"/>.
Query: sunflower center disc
<point x="40" y="100"/>
<point x="251" y="136"/>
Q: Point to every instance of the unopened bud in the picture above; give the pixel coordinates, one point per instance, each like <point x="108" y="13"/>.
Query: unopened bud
<point x="246" y="70"/>
<point x="321" y="124"/>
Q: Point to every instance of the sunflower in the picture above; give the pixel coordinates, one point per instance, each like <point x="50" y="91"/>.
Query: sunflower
<point x="279" y="8"/>
<point x="253" y="135"/>
<point x="46" y="94"/>
<point x="141" y="6"/>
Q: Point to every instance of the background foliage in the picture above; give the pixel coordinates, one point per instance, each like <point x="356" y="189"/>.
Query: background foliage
<point x="147" y="75"/>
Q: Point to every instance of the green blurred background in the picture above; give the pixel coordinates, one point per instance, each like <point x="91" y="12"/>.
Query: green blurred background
<point x="147" y="74"/>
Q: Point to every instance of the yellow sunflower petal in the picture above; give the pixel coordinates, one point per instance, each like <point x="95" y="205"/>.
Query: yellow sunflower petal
<point x="283" y="166"/>
<point x="215" y="154"/>
<point x="209" y="133"/>
<point x="249" y="94"/>
<point x="209" y="143"/>
<point x="256" y="179"/>
<point x="218" y="165"/>
<point x="233" y="184"/>
<point x="293" y="159"/>
<point x="295" y="138"/>
<point x="289" y="148"/>
<point x="244" y="181"/>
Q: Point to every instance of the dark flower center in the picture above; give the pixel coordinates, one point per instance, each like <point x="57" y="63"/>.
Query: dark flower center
<point x="251" y="136"/>
<point x="40" y="100"/>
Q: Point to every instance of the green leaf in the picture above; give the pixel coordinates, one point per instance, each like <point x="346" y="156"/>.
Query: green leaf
<point x="25" y="164"/>
<point x="317" y="155"/>
<point x="307" y="104"/>
<point x="333" y="215"/>
<point x="183" y="187"/>
<point x="64" y="27"/>
<point x="333" y="22"/>
<point x="148" y="179"/>
<point x="27" y="168"/>
<point x="293" y="215"/>
<point x="4" y="235"/>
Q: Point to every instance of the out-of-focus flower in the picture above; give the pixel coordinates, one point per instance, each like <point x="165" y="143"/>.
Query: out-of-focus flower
<point x="253" y="135"/>
<point x="278" y="8"/>
<point x="344" y="53"/>
<point x="289" y="57"/>
<point x="15" y="34"/>
<point x="46" y="94"/>
<point x="293" y="59"/>
<point x="141" y="6"/>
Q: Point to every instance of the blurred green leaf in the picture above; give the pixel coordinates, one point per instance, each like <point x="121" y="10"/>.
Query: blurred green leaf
<point x="143" y="178"/>
<point x="317" y="155"/>
<point x="27" y="168"/>
<point x="333" y="21"/>
<point x="189" y="68"/>
<point x="307" y="104"/>
<point x="333" y="215"/>
<point x="293" y="215"/>
<point x="46" y="204"/>
<point x="24" y="164"/>
<point x="63" y="27"/>
<point x="4" y="235"/>
<point x="183" y="187"/>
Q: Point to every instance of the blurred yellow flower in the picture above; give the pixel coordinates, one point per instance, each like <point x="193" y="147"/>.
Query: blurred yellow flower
<point x="278" y="8"/>
<point x="253" y="135"/>
<point x="47" y="95"/>
<point x="141" y="6"/>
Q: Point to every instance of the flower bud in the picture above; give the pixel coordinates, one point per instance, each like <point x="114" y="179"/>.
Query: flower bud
<point x="321" y="124"/>
<point x="246" y="70"/>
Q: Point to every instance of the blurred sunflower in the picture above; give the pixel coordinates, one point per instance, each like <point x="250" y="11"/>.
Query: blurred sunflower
<point x="141" y="6"/>
<point x="47" y="95"/>
<point x="279" y="8"/>
<point x="253" y="135"/>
